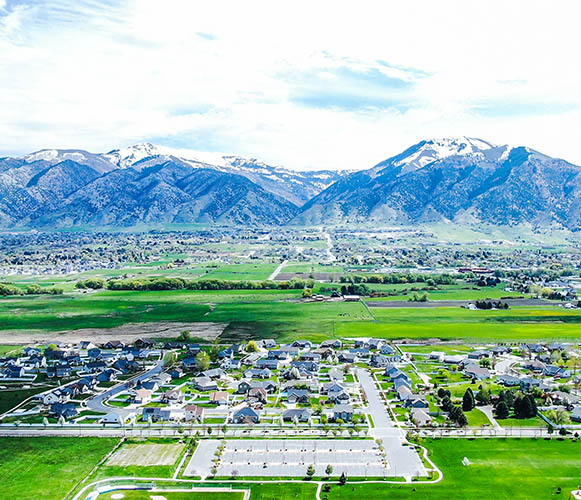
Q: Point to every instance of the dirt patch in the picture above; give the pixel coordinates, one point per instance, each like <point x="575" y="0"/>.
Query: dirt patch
<point x="146" y="454"/>
<point x="125" y="333"/>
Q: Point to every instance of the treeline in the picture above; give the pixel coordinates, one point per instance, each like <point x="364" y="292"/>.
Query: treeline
<point x="400" y="278"/>
<point x="7" y="290"/>
<point x="90" y="284"/>
<point x="157" y="284"/>
<point x="490" y="304"/>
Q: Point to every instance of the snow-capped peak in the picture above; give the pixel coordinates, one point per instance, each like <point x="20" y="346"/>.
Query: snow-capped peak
<point x="428" y="151"/>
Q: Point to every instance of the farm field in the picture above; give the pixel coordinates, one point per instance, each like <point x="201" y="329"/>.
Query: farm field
<point x="48" y="468"/>
<point x="280" y="314"/>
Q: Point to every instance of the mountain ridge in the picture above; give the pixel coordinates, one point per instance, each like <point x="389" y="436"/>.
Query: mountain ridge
<point x="455" y="180"/>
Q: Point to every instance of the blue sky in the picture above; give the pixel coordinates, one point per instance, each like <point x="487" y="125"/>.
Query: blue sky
<point x="302" y="84"/>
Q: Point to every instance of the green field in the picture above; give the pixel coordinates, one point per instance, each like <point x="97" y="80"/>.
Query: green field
<point x="47" y="468"/>
<point x="281" y="314"/>
<point x="504" y="468"/>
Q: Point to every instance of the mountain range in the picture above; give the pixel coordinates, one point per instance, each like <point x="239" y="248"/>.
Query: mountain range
<point x="461" y="180"/>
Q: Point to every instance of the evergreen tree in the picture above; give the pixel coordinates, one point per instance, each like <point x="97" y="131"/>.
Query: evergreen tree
<point x="501" y="410"/>
<point x="468" y="402"/>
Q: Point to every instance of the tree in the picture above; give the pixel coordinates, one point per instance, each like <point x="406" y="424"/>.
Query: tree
<point x="443" y="392"/>
<point x="329" y="470"/>
<point x="202" y="361"/>
<point x="169" y="359"/>
<point x="501" y="410"/>
<point x="468" y="402"/>
<point x="343" y="478"/>
<point x="507" y="397"/>
<point x="483" y="397"/>
<point x="307" y="293"/>
<point x="252" y="346"/>
<point x="185" y="336"/>
<point x="447" y="404"/>
<point x="559" y="417"/>
<point x="311" y="470"/>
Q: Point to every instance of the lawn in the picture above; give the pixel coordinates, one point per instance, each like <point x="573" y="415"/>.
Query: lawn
<point x="9" y="399"/>
<point x="47" y="468"/>
<point x="504" y="468"/>
<point x="476" y="418"/>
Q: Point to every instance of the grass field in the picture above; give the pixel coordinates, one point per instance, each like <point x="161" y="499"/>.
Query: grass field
<point x="9" y="399"/>
<point x="277" y="313"/>
<point x="47" y="468"/>
<point x="503" y="468"/>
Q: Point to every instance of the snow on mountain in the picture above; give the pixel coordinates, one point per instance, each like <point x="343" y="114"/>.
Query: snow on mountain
<point x="429" y="151"/>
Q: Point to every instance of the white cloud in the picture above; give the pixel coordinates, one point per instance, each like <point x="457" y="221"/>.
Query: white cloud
<point x="224" y="76"/>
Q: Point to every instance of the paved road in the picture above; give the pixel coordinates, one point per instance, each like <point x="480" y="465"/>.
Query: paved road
<point x="504" y="366"/>
<point x="96" y="403"/>
<point x="275" y="273"/>
<point x="487" y="410"/>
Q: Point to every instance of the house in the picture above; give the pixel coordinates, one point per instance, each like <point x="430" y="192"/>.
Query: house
<point x="245" y="415"/>
<point x="94" y="353"/>
<point x="150" y="385"/>
<point x="315" y="357"/>
<point x="534" y="365"/>
<point x="144" y="343"/>
<point x="508" y="380"/>
<point x="194" y="413"/>
<point x="245" y="385"/>
<point x="108" y="375"/>
<point x="339" y="397"/>
<point x="556" y="372"/>
<point x="336" y="374"/>
<point x="215" y="373"/>
<point x="219" y="398"/>
<point x="477" y="372"/>
<point x="230" y="364"/>
<point x="387" y="350"/>
<point x="66" y="410"/>
<point x="271" y="364"/>
<point x="113" y="344"/>
<point x="112" y="418"/>
<point x="173" y="396"/>
<point x="398" y="382"/>
<point x="564" y="397"/>
<point x="267" y="343"/>
<point x="279" y="355"/>
<point x="162" y="379"/>
<point x="343" y="412"/>
<point x="479" y="354"/>
<point x="13" y="372"/>
<point x="348" y="357"/>
<point x="189" y="364"/>
<point x="175" y="373"/>
<point x="308" y="366"/>
<point x="351" y="298"/>
<point x="453" y="359"/>
<point x="374" y="344"/>
<point x="416" y="402"/>
<point x="302" y="344"/>
<point x="86" y="345"/>
<point x="142" y="396"/>
<point x="258" y="373"/>
<point x="205" y="384"/>
<point x="297" y="415"/>
<point x="257" y="394"/>
<point x="297" y="396"/>
<point x="576" y="414"/>
<point x="436" y="356"/>
<point x="334" y="343"/>
<point x="156" y="414"/>
<point x="404" y="393"/>
<point x="379" y="361"/>
<point x="420" y="417"/>
<point x="332" y="388"/>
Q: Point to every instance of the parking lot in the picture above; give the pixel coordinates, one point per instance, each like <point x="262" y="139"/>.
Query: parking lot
<point x="291" y="457"/>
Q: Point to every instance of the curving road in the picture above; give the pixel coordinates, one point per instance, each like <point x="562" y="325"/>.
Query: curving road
<point x="96" y="403"/>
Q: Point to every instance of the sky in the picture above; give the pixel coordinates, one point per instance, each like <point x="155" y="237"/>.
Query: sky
<point x="307" y="85"/>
